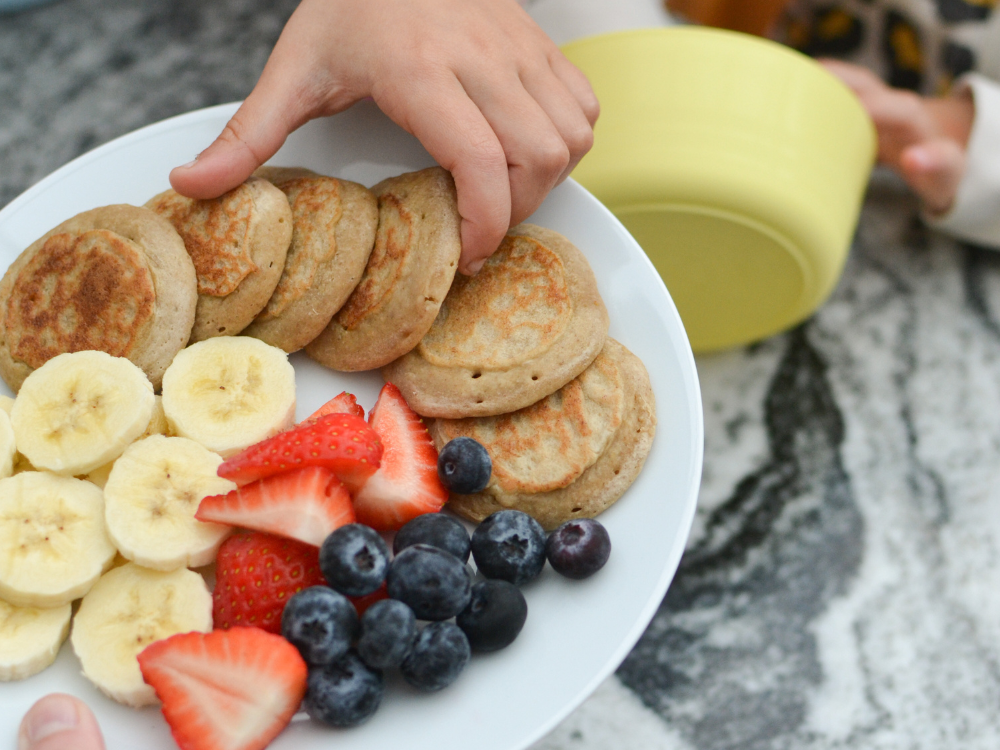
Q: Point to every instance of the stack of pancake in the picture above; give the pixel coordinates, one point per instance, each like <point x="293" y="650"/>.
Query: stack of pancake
<point x="516" y="357"/>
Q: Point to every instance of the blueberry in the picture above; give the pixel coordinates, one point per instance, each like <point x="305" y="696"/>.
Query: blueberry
<point x="439" y="655"/>
<point x="464" y="466"/>
<point x="344" y="693"/>
<point x="509" y="545"/>
<point x="320" y="623"/>
<point x="436" y="529"/>
<point x="494" y="617"/>
<point x="387" y="631"/>
<point x="433" y="583"/>
<point x="578" y="548"/>
<point x="354" y="559"/>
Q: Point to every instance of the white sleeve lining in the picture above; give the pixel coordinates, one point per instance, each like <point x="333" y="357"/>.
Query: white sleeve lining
<point x="975" y="214"/>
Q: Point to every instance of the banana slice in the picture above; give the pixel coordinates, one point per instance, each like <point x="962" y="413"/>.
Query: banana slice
<point x="80" y="410"/>
<point x="129" y="608"/>
<point x="229" y="392"/>
<point x="150" y="499"/>
<point x="30" y="638"/>
<point x="53" y="544"/>
<point x="158" y="422"/>
<point x="7" y="448"/>
<point x="157" y="426"/>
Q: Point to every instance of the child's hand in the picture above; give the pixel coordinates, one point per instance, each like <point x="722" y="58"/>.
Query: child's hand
<point x="923" y="139"/>
<point x="486" y="92"/>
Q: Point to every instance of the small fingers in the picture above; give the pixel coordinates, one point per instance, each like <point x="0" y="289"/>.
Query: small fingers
<point x="535" y="152"/>
<point x="59" y="722"/>
<point x="934" y="169"/>
<point x="564" y="111"/>
<point x="437" y="110"/>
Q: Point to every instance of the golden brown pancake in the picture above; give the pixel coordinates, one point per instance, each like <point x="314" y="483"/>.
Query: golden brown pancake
<point x="115" y="279"/>
<point x="528" y="323"/>
<point x="333" y="232"/>
<point x="417" y="245"/>
<point x="238" y="243"/>
<point x="571" y="455"/>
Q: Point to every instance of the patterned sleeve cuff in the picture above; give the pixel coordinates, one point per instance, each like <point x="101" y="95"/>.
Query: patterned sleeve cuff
<point x="975" y="215"/>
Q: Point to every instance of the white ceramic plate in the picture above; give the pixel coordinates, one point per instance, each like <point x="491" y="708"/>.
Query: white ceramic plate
<point x="577" y="631"/>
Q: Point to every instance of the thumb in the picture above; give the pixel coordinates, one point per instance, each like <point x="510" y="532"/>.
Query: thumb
<point x="250" y="138"/>
<point x="59" y="722"/>
<point x="934" y="169"/>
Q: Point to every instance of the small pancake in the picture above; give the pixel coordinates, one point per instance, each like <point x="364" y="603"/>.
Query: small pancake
<point x="115" y="279"/>
<point x="571" y="455"/>
<point x="238" y="243"/>
<point x="333" y="232"/>
<point x="528" y="323"/>
<point x="408" y="274"/>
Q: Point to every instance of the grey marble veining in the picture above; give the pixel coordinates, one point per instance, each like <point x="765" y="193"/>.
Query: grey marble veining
<point x="840" y="585"/>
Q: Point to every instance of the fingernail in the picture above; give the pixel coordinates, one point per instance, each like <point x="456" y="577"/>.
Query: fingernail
<point x="475" y="265"/>
<point x="56" y="714"/>
<point x="189" y="164"/>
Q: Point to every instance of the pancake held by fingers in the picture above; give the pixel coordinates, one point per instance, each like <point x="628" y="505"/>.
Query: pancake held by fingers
<point x="238" y="243"/>
<point x="528" y="323"/>
<point x="416" y="253"/>
<point x="333" y="234"/>
<point x="571" y="455"/>
<point x="115" y="279"/>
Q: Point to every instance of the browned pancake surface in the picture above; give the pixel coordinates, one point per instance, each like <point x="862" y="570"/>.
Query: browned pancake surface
<point x="570" y="455"/>
<point x="88" y="291"/>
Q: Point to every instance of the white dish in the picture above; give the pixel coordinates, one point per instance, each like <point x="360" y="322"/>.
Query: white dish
<point x="577" y="632"/>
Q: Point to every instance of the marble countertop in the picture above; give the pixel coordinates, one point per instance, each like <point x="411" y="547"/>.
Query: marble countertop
<point x="839" y="586"/>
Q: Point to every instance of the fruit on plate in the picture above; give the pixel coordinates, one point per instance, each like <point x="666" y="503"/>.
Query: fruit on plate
<point x="229" y="392"/>
<point x="433" y="583"/>
<point x="225" y="690"/>
<point x="321" y="623"/>
<point x="80" y="410"/>
<point x="354" y="559"/>
<point x="388" y="628"/>
<point x="436" y="529"/>
<point x="439" y="654"/>
<point x="509" y="545"/>
<point x="305" y="504"/>
<point x="343" y="443"/>
<point x="342" y="403"/>
<point x="150" y="501"/>
<point x="344" y="693"/>
<point x="30" y="638"/>
<point x="578" y="549"/>
<point x="464" y="466"/>
<point x="53" y="544"/>
<point x="8" y="449"/>
<point x="128" y="609"/>
<point x="494" y="617"/>
<point x="406" y="484"/>
<point x="256" y="575"/>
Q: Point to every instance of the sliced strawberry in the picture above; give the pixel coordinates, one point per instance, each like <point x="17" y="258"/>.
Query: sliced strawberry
<point x="406" y="484"/>
<point x="361" y="603"/>
<point x="344" y="403"/>
<point x="304" y="504"/>
<point x="255" y="576"/>
<point x="225" y="690"/>
<point x="343" y="443"/>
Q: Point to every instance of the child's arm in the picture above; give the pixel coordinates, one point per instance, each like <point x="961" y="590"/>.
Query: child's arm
<point x="476" y="81"/>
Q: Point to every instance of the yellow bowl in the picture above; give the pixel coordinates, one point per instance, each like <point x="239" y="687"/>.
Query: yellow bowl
<point x="738" y="164"/>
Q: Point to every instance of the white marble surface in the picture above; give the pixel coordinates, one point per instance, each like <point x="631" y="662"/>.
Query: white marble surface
<point x="839" y="588"/>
